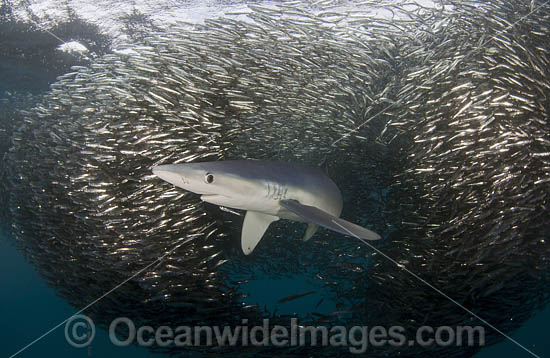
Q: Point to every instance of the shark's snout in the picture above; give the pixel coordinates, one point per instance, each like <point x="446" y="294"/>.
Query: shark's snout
<point x="170" y="173"/>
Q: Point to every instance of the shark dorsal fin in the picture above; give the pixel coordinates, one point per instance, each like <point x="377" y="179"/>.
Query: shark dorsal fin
<point x="254" y="226"/>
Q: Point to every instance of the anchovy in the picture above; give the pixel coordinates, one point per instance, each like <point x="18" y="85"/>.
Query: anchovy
<point x="296" y="296"/>
<point x="435" y="122"/>
<point x="223" y="208"/>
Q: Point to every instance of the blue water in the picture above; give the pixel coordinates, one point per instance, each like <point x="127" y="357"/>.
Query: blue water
<point x="29" y="308"/>
<point x="262" y="294"/>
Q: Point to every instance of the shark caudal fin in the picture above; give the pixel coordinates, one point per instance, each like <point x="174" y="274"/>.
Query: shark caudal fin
<point x="254" y="226"/>
<point x="326" y="220"/>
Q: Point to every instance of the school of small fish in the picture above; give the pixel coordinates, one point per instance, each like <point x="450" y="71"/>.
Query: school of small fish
<point x="434" y="121"/>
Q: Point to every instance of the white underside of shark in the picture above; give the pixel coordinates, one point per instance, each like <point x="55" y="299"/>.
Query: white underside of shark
<point x="268" y="191"/>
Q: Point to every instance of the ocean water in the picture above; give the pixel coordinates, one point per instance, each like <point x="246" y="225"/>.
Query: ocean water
<point x="29" y="308"/>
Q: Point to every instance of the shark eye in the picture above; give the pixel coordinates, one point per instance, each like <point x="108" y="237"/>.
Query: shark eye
<point x="208" y="178"/>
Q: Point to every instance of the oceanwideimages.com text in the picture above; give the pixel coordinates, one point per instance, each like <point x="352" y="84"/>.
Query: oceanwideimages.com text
<point x="80" y="331"/>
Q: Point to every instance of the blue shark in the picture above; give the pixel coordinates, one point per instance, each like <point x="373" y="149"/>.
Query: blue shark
<point x="268" y="191"/>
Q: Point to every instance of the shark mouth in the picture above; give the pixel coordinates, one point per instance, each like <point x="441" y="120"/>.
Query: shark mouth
<point x="206" y="196"/>
<point x="212" y="198"/>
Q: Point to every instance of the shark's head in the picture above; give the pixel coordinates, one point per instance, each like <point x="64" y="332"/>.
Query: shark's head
<point x="215" y="183"/>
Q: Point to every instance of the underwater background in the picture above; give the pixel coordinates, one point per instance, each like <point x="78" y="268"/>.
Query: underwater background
<point x="28" y="306"/>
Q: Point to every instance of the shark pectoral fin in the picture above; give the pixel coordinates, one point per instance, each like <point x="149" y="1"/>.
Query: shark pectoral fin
<point x="310" y="231"/>
<point x="326" y="220"/>
<point x="254" y="226"/>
